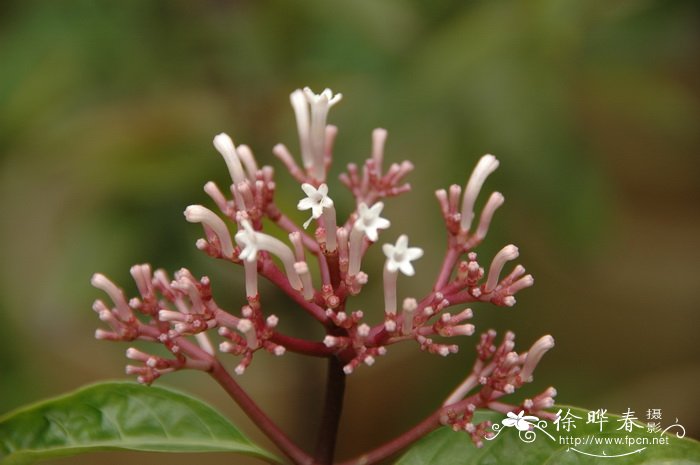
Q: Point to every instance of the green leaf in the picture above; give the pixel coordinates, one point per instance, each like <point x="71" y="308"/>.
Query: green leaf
<point x="445" y="446"/>
<point x="118" y="416"/>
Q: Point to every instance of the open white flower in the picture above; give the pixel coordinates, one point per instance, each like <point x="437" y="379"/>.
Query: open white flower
<point x="369" y="221"/>
<point x="249" y="241"/>
<point x="311" y="112"/>
<point x="367" y="224"/>
<point x="316" y="200"/>
<point x="400" y="256"/>
<point x="253" y="241"/>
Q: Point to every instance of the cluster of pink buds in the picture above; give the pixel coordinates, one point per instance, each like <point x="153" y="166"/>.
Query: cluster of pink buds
<point x="321" y="271"/>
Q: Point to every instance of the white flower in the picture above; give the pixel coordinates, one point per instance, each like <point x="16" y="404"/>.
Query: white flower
<point x="486" y="165"/>
<point x="200" y="214"/>
<point x="534" y="355"/>
<point x="249" y="240"/>
<point x="253" y="242"/>
<point x="224" y="145"/>
<point x="324" y="99"/>
<point x="506" y="254"/>
<point x="316" y="200"/>
<point x="520" y="421"/>
<point x="400" y="256"/>
<point x="311" y="112"/>
<point x="369" y="221"/>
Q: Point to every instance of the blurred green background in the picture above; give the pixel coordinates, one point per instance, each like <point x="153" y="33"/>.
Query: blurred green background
<point x="107" y="111"/>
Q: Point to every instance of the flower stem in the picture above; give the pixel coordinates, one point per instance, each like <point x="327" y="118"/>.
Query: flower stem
<point x="332" y="409"/>
<point x="428" y="424"/>
<point x="266" y="425"/>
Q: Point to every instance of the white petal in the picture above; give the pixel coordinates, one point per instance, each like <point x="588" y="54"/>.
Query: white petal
<point x="371" y="233"/>
<point x="305" y="204"/>
<point x="388" y="250"/>
<point x="362" y="209"/>
<point x="414" y="253"/>
<point x="407" y="268"/>
<point x="381" y="223"/>
<point x="392" y="265"/>
<point x="316" y="211"/>
<point x="376" y="209"/>
<point x="308" y="189"/>
<point x="402" y="243"/>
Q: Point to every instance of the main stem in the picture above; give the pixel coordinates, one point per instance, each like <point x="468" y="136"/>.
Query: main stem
<point x="332" y="409"/>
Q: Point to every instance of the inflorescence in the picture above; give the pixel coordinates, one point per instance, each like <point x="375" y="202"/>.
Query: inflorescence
<point x="321" y="271"/>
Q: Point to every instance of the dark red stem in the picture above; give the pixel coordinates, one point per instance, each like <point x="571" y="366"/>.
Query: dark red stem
<point x="266" y="425"/>
<point x="332" y="410"/>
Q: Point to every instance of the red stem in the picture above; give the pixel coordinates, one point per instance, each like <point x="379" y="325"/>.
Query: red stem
<point x="266" y="425"/>
<point x="448" y="264"/>
<point x="274" y="275"/>
<point x="395" y="445"/>
<point x="332" y="410"/>
<point x="301" y="346"/>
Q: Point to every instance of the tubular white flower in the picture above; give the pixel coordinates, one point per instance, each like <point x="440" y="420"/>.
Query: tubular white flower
<point x="103" y="283"/>
<point x="316" y="200"/>
<point x="224" y="145"/>
<point x="213" y="191"/>
<point x="486" y="165"/>
<point x="253" y="241"/>
<point x="409" y="311"/>
<point x="301" y="112"/>
<point x="251" y="278"/>
<point x="200" y="214"/>
<point x="390" y="278"/>
<point x="507" y="253"/>
<point x="143" y="278"/>
<point x="343" y="246"/>
<point x="534" y="355"/>
<point x="248" y="159"/>
<point x="320" y="104"/>
<point x="378" y="141"/>
<point x="398" y="257"/>
<point x="355" y="251"/>
<point x="495" y="201"/>
<point x="331" y="227"/>
<point x="204" y="342"/>
<point x="302" y="269"/>
<point x="524" y="282"/>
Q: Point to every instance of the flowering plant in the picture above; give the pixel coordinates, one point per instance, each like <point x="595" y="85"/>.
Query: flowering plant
<point x="320" y="272"/>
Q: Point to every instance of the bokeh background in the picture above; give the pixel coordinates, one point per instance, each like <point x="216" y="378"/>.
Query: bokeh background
<point x="107" y="111"/>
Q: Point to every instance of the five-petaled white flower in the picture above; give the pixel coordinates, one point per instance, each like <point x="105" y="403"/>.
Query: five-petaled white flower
<point x="521" y="421"/>
<point x="369" y="220"/>
<point x="400" y="256"/>
<point x="249" y="240"/>
<point x="316" y="200"/>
